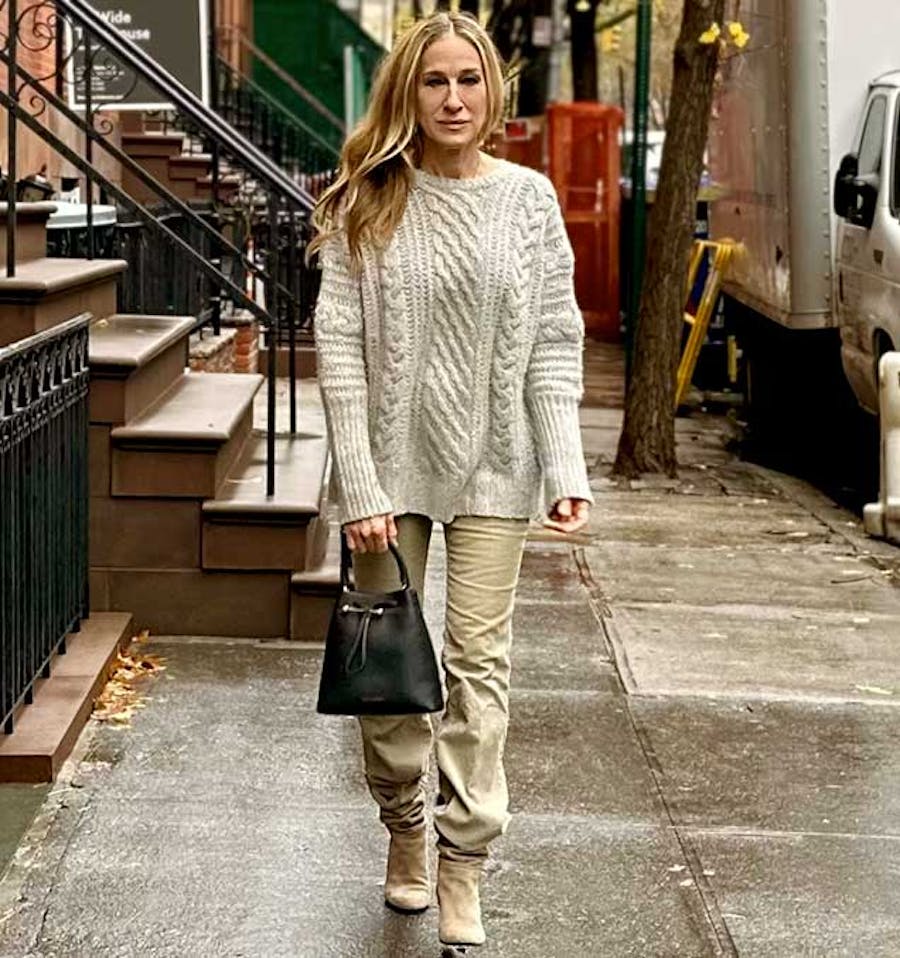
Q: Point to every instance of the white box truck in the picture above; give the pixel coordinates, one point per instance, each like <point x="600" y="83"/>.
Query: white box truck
<point x="805" y="163"/>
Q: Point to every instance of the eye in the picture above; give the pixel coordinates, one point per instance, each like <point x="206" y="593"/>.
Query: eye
<point x="471" y="80"/>
<point x="434" y="81"/>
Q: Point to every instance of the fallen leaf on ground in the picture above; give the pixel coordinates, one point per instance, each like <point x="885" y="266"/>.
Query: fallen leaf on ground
<point x="122" y="695"/>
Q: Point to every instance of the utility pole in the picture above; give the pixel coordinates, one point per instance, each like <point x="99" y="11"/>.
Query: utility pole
<point x="640" y="122"/>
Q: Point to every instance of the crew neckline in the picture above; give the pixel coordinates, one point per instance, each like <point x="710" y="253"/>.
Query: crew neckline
<point x="499" y="168"/>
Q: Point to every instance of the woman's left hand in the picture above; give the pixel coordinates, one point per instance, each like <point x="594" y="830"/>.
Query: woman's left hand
<point x="569" y="515"/>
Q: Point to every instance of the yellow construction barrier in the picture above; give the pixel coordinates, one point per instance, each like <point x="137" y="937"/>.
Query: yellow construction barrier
<point x="719" y="258"/>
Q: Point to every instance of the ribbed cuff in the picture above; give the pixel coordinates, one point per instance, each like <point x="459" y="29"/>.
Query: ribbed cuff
<point x="558" y="436"/>
<point x="360" y="491"/>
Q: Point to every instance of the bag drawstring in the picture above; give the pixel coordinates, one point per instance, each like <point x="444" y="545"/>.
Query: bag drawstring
<point x="361" y="642"/>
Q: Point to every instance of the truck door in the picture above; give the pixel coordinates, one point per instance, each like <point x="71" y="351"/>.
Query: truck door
<point x="868" y="293"/>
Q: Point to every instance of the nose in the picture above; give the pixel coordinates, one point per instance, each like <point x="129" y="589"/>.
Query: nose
<point x="454" y="101"/>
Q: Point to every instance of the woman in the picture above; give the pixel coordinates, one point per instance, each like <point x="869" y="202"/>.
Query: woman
<point x="449" y="348"/>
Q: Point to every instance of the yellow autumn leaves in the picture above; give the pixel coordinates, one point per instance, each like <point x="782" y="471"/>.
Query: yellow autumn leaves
<point x="123" y="693"/>
<point x="734" y="34"/>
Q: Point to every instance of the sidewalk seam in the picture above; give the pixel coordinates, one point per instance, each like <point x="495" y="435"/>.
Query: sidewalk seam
<point x="604" y="614"/>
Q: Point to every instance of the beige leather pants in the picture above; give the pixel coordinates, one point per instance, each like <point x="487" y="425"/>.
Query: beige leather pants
<point x="483" y="559"/>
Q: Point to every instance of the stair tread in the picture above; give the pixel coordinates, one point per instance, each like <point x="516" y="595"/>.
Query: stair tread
<point x="301" y="463"/>
<point x="131" y="341"/>
<point x="45" y="731"/>
<point x="184" y="158"/>
<point x="43" y="276"/>
<point x="163" y="144"/>
<point x="29" y="212"/>
<point x="198" y="406"/>
<point x="188" y="167"/>
<point x="224" y="178"/>
<point x="327" y="575"/>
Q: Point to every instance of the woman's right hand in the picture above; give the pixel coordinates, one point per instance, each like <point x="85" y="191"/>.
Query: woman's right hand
<point x="372" y="534"/>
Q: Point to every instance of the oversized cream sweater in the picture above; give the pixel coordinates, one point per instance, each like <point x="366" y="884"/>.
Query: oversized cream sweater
<point x="451" y="366"/>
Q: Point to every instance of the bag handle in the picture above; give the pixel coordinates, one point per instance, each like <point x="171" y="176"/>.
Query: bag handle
<point x="347" y="564"/>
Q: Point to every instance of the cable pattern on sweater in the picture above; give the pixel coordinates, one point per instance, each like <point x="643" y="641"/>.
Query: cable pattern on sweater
<point x="510" y="332"/>
<point x="457" y="289"/>
<point x="451" y="372"/>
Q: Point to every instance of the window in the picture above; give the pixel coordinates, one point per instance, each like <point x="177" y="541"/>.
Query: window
<point x="895" y="185"/>
<point x="872" y="144"/>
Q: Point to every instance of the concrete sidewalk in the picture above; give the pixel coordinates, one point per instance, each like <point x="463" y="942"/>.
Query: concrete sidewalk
<point x="702" y="755"/>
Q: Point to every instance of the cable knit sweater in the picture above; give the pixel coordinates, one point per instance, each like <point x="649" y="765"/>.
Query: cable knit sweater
<point x="451" y="365"/>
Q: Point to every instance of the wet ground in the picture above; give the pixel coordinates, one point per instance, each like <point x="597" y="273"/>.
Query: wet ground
<point x="702" y="755"/>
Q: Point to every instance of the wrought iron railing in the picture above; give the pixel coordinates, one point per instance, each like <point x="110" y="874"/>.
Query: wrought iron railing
<point x="255" y="261"/>
<point x="307" y="157"/>
<point x="43" y="504"/>
<point x="270" y="75"/>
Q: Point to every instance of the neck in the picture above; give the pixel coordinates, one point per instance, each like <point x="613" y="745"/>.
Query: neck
<point x="459" y="164"/>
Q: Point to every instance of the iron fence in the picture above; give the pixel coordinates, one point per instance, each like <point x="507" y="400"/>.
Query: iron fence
<point x="43" y="504"/>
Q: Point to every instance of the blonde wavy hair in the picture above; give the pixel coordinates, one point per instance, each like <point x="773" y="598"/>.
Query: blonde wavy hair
<point x="368" y="198"/>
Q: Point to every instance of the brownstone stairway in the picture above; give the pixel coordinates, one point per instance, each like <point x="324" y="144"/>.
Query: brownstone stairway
<point x="183" y="538"/>
<point x="182" y="532"/>
<point x="164" y="157"/>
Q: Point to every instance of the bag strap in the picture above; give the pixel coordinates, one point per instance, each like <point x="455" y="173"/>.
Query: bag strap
<point x="347" y="564"/>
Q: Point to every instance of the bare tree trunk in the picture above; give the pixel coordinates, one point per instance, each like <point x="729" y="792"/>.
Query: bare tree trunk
<point x="647" y="442"/>
<point x="584" y="50"/>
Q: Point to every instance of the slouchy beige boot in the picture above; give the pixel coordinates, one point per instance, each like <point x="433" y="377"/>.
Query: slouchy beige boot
<point x="406" y="887"/>
<point x="460" y="921"/>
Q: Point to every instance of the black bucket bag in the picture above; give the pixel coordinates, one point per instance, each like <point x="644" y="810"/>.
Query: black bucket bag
<point x="379" y="659"/>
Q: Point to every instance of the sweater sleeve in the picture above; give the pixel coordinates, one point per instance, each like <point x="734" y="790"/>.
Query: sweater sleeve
<point x="554" y="379"/>
<point x="342" y="380"/>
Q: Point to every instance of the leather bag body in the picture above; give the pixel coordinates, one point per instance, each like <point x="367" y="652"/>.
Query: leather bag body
<point x="379" y="659"/>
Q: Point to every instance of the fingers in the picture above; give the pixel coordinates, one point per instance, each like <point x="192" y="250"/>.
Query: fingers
<point x="371" y="535"/>
<point x="563" y="510"/>
<point x="569" y="515"/>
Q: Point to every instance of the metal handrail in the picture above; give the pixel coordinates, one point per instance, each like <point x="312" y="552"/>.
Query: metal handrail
<point x="263" y="95"/>
<point x="263" y="271"/>
<point x="286" y="78"/>
<point x="208" y="122"/>
<point x="14" y="109"/>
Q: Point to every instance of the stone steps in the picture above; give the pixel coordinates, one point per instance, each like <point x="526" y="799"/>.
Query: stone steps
<point x="243" y="528"/>
<point x="46" y="730"/>
<point x="184" y="444"/>
<point x="46" y="292"/>
<point x="313" y="593"/>
<point x="134" y="359"/>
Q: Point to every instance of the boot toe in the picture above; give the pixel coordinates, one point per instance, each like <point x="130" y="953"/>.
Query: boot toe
<point x="407" y="901"/>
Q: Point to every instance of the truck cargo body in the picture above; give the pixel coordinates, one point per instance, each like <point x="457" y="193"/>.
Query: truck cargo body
<point x="790" y="107"/>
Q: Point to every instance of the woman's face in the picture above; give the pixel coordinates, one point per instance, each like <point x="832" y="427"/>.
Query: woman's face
<point x="451" y="94"/>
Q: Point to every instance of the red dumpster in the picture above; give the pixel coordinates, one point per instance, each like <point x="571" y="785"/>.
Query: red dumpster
<point x="583" y="148"/>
